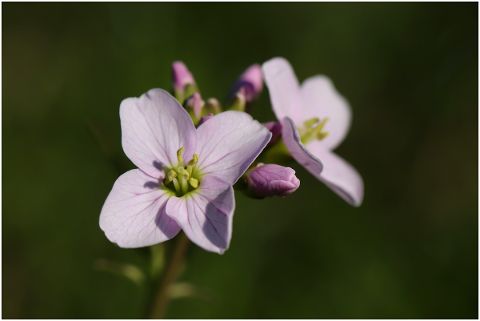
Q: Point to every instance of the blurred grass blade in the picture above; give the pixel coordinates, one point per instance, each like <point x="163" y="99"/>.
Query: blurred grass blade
<point x="187" y="290"/>
<point x="157" y="253"/>
<point x="131" y="272"/>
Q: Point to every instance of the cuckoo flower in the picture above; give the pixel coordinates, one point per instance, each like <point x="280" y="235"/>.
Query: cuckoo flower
<point x="315" y="120"/>
<point x="184" y="177"/>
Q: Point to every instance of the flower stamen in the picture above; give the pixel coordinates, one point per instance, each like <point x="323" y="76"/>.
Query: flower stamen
<point x="193" y="182"/>
<point x="191" y="163"/>
<point x="184" y="184"/>
<point x="311" y="122"/>
<point x="179" y="155"/>
<point x="169" y="178"/>
<point x="313" y="130"/>
<point x="184" y="180"/>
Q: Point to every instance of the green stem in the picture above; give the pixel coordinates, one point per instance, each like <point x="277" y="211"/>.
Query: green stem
<point x="277" y="154"/>
<point x="161" y="299"/>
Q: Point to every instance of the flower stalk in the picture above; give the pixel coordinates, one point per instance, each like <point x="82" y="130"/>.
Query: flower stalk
<point x="161" y="296"/>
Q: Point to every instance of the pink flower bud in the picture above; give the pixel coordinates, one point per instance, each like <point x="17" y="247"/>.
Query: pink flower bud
<point x="249" y="84"/>
<point x="183" y="82"/>
<point x="181" y="75"/>
<point x="195" y="104"/>
<point x="271" y="179"/>
<point x="275" y="128"/>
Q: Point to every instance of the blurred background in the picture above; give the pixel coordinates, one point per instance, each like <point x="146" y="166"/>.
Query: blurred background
<point x="410" y="73"/>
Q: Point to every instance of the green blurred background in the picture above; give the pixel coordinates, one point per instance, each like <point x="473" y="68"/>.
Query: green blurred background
<point x="410" y="72"/>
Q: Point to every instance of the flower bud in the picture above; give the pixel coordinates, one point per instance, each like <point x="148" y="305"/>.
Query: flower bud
<point x="204" y="119"/>
<point x="249" y="84"/>
<point x="212" y="106"/>
<point x="194" y="106"/>
<point x="275" y="128"/>
<point x="238" y="102"/>
<point x="271" y="179"/>
<point x="183" y="83"/>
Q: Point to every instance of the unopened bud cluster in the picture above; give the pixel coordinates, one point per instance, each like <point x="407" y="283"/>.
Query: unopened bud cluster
<point x="241" y="96"/>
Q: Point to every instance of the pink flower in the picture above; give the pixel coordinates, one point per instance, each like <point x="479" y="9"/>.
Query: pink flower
<point x="185" y="175"/>
<point x="315" y="120"/>
<point x="267" y="180"/>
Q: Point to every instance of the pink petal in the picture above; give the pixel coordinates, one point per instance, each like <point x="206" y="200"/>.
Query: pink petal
<point x="299" y="152"/>
<point x="339" y="175"/>
<point x="154" y="127"/>
<point x="284" y="89"/>
<point x="134" y="213"/>
<point x="206" y="215"/>
<point x="228" y="143"/>
<point x="321" y="99"/>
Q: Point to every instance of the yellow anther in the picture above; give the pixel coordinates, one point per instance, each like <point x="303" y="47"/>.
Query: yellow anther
<point x="179" y="155"/>
<point x="310" y="122"/>
<point x="321" y="135"/>
<point x="320" y="126"/>
<point x="170" y="176"/>
<point x="193" y="182"/>
<point x="194" y="160"/>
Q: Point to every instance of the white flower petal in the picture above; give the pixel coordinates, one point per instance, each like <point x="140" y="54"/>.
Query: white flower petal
<point x="322" y="100"/>
<point x="206" y="215"/>
<point x="299" y="152"/>
<point x="338" y="174"/>
<point x="134" y="213"/>
<point x="284" y="89"/>
<point x="154" y="127"/>
<point x="228" y="143"/>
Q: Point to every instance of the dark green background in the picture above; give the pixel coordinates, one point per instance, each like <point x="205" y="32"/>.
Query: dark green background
<point x="410" y="72"/>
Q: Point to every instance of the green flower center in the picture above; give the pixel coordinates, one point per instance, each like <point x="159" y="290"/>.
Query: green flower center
<point x="182" y="180"/>
<point x="312" y="129"/>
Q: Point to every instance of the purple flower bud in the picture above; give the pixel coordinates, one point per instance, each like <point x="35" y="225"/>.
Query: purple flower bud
<point x="183" y="82"/>
<point x="204" y="119"/>
<point x="271" y="179"/>
<point x="194" y="104"/>
<point x="275" y="128"/>
<point x="249" y="84"/>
